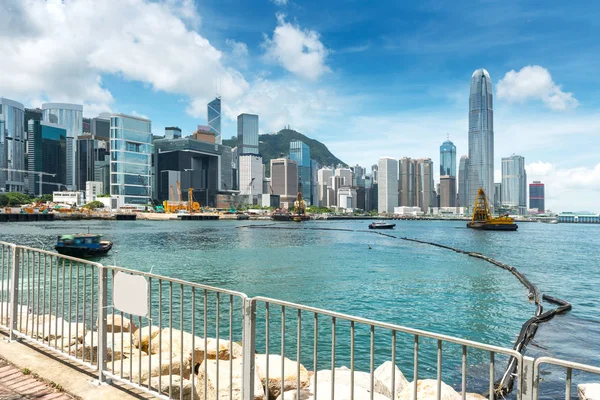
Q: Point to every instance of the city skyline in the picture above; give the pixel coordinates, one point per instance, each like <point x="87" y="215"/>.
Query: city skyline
<point x="323" y="93"/>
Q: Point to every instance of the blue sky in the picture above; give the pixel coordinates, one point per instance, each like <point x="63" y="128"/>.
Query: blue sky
<point x="369" y="79"/>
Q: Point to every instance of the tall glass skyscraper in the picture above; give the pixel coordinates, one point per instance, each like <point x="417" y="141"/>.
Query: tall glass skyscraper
<point x="300" y="152"/>
<point x="247" y="130"/>
<point x="447" y="159"/>
<point x="47" y="148"/>
<point x="130" y="158"/>
<point x="70" y="116"/>
<point x="12" y="145"/>
<point x="514" y="182"/>
<point x="481" y="136"/>
<point x="463" y="181"/>
<point x="214" y="119"/>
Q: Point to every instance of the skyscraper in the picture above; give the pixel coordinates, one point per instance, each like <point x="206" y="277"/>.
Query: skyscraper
<point x="247" y="134"/>
<point x="425" y="190"/>
<point x="323" y="176"/>
<point x="46" y="144"/>
<point x="284" y="180"/>
<point x="130" y="158"/>
<point x="514" y="182"/>
<point x="300" y="152"/>
<point x="537" y="196"/>
<point x="448" y="159"/>
<point x="407" y="182"/>
<point x="251" y="177"/>
<point x="12" y="145"/>
<point x="387" y="185"/>
<point x="463" y="181"/>
<point x="213" y="111"/>
<point x="70" y="116"/>
<point x="481" y="136"/>
<point x="447" y="191"/>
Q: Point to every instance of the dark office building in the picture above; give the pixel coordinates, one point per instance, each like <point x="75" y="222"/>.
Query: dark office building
<point x="537" y="196"/>
<point x="90" y="151"/>
<point x="47" y="148"/>
<point x="193" y="164"/>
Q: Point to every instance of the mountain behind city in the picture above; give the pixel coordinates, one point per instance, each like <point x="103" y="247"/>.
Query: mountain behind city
<point x="275" y="145"/>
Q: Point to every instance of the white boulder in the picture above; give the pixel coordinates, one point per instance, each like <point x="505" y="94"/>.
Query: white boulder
<point x="384" y="374"/>
<point x="226" y="382"/>
<point x="427" y="389"/>
<point x="289" y="378"/>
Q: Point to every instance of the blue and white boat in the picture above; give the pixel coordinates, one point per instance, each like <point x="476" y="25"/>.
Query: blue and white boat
<point x="82" y="245"/>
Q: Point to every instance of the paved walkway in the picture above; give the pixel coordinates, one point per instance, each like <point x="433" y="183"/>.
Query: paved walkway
<point x="15" y="385"/>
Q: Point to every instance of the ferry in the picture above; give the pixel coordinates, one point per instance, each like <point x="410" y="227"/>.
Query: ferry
<point x="82" y="245"/>
<point x="482" y="218"/>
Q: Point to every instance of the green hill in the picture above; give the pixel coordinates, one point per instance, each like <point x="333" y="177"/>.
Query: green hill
<point x="278" y="144"/>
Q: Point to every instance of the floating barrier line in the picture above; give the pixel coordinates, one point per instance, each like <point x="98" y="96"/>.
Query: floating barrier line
<point x="505" y="384"/>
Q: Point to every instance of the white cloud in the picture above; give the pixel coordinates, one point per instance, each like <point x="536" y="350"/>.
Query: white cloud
<point x="238" y="55"/>
<point x="567" y="189"/>
<point x="140" y="115"/>
<point x="298" y="50"/>
<point x="280" y="2"/>
<point x="141" y="40"/>
<point x="534" y="82"/>
<point x="286" y="102"/>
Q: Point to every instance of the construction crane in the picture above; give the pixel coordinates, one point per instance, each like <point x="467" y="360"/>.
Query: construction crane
<point x="40" y="174"/>
<point x="178" y="192"/>
<point x="172" y="192"/>
<point x="190" y="199"/>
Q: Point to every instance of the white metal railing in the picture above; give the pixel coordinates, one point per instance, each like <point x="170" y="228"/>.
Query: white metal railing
<point x="64" y="304"/>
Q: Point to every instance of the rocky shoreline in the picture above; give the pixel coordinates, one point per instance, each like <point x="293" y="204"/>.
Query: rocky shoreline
<point x="149" y="355"/>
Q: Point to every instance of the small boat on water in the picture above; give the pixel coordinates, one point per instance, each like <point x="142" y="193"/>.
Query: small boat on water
<point x="381" y="225"/>
<point x="242" y="217"/>
<point x="82" y="245"/>
<point x="281" y="216"/>
<point x="483" y="220"/>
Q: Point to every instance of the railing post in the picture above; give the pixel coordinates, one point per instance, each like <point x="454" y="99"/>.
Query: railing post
<point x="14" y="292"/>
<point x="527" y="389"/>
<point x="102" y="291"/>
<point x="249" y="349"/>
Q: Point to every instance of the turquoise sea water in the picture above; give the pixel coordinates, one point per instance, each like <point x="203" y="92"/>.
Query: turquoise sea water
<point x="395" y="281"/>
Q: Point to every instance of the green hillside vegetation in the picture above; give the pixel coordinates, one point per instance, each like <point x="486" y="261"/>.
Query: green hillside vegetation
<point x="278" y="144"/>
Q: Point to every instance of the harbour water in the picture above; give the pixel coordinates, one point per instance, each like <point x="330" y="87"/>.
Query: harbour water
<point x="373" y="276"/>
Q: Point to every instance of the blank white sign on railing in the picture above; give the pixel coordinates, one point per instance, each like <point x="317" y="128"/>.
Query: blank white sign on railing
<point x="130" y="294"/>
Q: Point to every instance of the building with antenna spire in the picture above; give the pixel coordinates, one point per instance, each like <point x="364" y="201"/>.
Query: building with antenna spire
<point x="214" y="118"/>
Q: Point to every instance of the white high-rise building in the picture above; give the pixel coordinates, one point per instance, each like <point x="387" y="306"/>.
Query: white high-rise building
<point x="12" y="145"/>
<point x="323" y="176"/>
<point x="514" y="182"/>
<point x="388" y="185"/>
<point x="481" y="136"/>
<point x="346" y="174"/>
<point x="251" y="176"/>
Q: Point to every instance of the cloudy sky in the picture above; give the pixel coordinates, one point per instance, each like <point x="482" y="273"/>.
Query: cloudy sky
<point x="369" y="79"/>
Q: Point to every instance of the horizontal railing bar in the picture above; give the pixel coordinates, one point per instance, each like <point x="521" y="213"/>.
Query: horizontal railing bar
<point x="51" y="253"/>
<point x="393" y="327"/>
<point x="566" y="364"/>
<point x="57" y="351"/>
<point x="130" y="383"/>
<point x="177" y="281"/>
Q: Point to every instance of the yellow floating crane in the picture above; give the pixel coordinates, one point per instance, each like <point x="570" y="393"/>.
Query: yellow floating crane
<point x="482" y="217"/>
